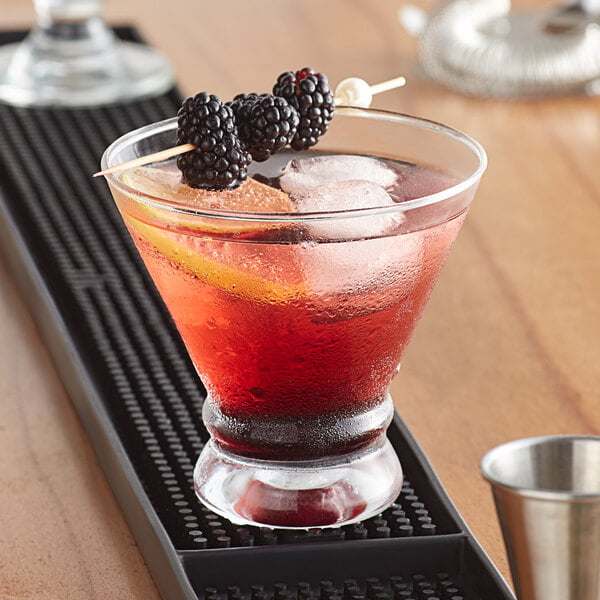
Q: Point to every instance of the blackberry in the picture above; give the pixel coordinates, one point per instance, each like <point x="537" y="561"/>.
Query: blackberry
<point x="220" y="159"/>
<point x="241" y="105"/>
<point x="266" y="123"/>
<point x="309" y="93"/>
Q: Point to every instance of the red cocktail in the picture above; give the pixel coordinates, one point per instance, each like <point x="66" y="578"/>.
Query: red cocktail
<point x="296" y="294"/>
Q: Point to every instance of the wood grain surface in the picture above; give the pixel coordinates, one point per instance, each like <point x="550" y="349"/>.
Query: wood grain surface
<point x="508" y="347"/>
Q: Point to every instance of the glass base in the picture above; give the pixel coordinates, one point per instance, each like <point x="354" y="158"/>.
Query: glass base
<point x="328" y="492"/>
<point x="32" y="74"/>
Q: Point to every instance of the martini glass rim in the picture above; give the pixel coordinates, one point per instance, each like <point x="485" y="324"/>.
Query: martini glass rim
<point x="166" y="125"/>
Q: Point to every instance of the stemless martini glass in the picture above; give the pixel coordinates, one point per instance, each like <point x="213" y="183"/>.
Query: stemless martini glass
<point x="296" y="321"/>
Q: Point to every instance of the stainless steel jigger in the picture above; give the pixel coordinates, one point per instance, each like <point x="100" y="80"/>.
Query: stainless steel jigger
<point x="547" y="494"/>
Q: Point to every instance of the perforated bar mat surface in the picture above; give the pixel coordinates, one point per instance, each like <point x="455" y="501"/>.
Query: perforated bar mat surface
<point x="140" y="401"/>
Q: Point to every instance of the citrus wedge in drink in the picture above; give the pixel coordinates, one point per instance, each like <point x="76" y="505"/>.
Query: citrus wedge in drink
<point x="205" y="245"/>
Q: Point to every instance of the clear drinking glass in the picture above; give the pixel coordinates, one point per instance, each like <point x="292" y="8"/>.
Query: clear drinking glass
<point x="296" y="321"/>
<point x="71" y="58"/>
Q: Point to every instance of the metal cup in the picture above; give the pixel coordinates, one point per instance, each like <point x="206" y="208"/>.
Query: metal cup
<point x="547" y="494"/>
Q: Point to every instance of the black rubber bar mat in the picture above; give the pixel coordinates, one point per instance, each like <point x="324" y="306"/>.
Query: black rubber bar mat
<point x="138" y="397"/>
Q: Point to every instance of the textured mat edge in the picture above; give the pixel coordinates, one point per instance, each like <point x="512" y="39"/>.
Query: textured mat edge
<point x="164" y="566"/>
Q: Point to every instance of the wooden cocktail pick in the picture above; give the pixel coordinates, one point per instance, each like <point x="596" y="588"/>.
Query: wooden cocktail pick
<point x="349" y="92"/>
<point x="149" y="158"/>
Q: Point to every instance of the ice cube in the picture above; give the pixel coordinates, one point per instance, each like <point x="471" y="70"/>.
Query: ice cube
<point x="360" y="252"/>
<point x="341" y="196"/>
<point x="368" y="274"/>
<point x="304" y="174"/>
<point x="348" y="196"/>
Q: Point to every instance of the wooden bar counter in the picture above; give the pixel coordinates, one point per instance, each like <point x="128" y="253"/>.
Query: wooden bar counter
<point x="508" y="347"/>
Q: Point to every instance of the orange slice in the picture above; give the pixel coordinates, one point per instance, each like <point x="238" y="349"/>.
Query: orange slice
<point x="195" y="243"/>
<point x="216" y="273"/>
<point x="164" y="182"/>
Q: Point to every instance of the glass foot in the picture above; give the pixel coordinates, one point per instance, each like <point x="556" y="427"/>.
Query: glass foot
<point x="328" y="492"/>
<point x="32" y="74"/>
